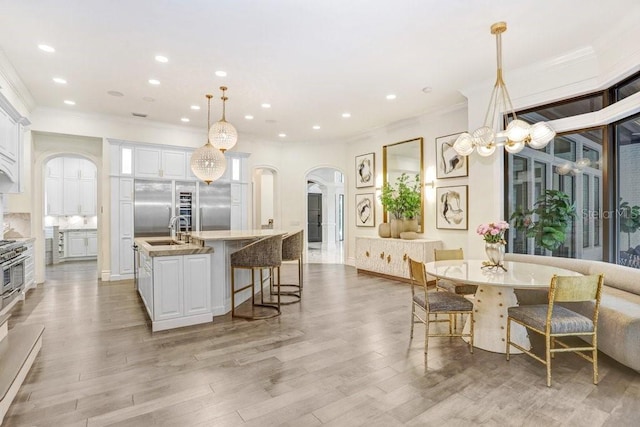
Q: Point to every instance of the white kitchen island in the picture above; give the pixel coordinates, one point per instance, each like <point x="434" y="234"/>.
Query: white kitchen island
<point x="184" y="284"/>
<point x="224" y="243"/>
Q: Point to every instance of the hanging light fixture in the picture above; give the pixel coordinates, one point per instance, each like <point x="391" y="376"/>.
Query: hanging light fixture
<point x="518" y="133"/>
<point x="207" y="162"/>
<point x="222" y="134"/>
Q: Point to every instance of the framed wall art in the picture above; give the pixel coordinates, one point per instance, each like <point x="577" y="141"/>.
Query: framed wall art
<point x="365" y="170"/>
<point x="452" y="207"/>
<point x="449" y="164"/>
<point x="365" y="210"/>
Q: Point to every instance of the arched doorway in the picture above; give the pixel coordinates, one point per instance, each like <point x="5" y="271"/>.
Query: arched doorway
<point x="265" y="198"/>
<point x="325" y="216"/>
<point x="70" y="213"/>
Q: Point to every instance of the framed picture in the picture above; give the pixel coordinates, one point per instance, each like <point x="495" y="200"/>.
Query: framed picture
<point x="365" y="170"/>
<point x="365" y="210"/>
<point x="449" y="164"/>
<point x="452" y="207"/>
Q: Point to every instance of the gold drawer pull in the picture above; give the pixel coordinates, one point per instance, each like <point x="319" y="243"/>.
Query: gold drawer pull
<point x="382" y="255"/>
<point x="367" y="254"/>
<point x="388" y="259"/>
<point x="404" y="257"/>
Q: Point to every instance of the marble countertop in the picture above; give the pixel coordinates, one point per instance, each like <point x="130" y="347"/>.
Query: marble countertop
<point x="169" y="249"/>
<point x="234" y="234"/>
<point x="23" y="239"/>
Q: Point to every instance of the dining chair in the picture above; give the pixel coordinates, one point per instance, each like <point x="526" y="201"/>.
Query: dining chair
<point x="433" y="303"/>
<point x="450" y="285"/>
<point x="557" y="321"/>
<point x="263" y="254"/>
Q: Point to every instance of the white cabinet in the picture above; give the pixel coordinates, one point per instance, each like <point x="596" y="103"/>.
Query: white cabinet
<point x="153" y="162"/>
<point x="53" y="187"/>
<point x="70" y="187"/>
<point x="176" y="290"/>
<point x="29" y="268"/>
<point x="390" y="257"/>
<point x="80" y="244"/>
<point x="11" y="131"/>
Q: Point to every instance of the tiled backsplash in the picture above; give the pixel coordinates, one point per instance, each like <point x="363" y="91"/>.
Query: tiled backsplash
<point x="71" y="222"/>
<point x="17" y="225"/>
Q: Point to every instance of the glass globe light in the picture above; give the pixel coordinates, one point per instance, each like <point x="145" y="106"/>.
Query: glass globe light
<point x="517" y="130"/>
<point x="464" y="144"/>
<point x="208" y="163"/>
<point x="223" y="135"/>
<point x="484" y="136"/>
<point x="514" y="147"/>
<point x="541" y="135"/>
<point x="564" y="169"/>
<point x="487" y="150"/>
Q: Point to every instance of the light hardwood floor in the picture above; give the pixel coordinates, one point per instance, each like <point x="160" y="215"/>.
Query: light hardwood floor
<point x="342" y="357"/>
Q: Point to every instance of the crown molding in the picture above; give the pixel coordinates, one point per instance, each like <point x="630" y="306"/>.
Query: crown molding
<point x="16" y="85"/>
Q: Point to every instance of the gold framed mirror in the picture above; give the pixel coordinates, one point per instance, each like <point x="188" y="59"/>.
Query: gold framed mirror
<point x="405" y="157"/>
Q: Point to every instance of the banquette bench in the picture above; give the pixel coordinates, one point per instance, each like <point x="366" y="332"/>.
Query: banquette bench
<point x="619" y="318"/>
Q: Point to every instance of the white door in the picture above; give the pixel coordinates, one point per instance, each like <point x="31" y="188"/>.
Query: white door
<point x="92" y="243"/>
<point x="87" y="196"/>
<point x="173" y="164"/>
<point x="147" y="162"/>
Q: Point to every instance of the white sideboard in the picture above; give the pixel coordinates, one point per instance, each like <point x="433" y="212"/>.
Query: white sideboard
<point x="390" y="257"/>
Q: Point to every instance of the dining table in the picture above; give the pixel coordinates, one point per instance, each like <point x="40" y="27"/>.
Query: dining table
<point x="495" y="294"/>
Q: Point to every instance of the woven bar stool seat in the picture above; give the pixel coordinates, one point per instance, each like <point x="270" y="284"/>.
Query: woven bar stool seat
<point x="292" y="246"/>
<point x="264" y="254"/>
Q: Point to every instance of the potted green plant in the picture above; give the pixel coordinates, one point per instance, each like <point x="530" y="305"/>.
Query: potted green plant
<point x="629" y="220"/>
<point x="409" y="198"/>
<point x="389" y="199"/>
<point x="553" y="212"/>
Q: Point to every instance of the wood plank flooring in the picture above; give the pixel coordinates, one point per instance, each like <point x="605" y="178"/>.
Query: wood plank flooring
<point x="342" y="357"/>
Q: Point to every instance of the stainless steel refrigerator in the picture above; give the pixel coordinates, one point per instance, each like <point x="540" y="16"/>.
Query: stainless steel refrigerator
<point x="152" y="207"/>
<point x="214" y="204"/>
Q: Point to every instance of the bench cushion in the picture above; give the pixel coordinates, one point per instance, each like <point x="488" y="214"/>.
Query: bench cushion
<point x="14" y="351"/>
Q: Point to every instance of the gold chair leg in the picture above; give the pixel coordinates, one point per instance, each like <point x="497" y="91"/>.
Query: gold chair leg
<point x="508" y="337"/>
<point x="472" y="333"/>
<point x="413" y="318"/>
<point x="233" y="292"/>
<point x="426" y="337"/>
<point x="595" y="360"/>
<point x="548" y="358"/>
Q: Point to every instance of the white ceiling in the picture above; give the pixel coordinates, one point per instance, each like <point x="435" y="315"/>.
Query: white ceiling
<point x="311" y="60"/>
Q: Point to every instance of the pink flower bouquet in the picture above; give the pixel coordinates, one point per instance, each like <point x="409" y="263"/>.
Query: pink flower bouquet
<point x="493" y="232"/>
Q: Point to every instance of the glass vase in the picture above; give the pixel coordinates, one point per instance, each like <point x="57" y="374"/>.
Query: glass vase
<point x="495" y="253"/>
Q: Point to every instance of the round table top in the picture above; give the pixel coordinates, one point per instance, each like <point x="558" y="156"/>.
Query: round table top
<point x="519" y="275"/>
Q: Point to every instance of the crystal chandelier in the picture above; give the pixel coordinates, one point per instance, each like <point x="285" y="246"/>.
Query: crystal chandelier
<point x="518" y="133"/>
<point x="207" y="162"/>
<point x="222" y="134"/>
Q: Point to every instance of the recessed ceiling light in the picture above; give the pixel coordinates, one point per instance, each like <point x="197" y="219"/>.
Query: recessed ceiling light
<point x="391" y="96"/>
<point x="195" y="107"/>
<point x="46" y="48"/>
<point x="69" y="102"/>
<point x="282" y="135"/>
<point x="221" y="73"/>
<point x="316" y="127"/>
<point x="149" y="99"/>
<point x="115" y="93"/>
<point x="427" y="89"/>
<point x="154" y="82"/>
<point x="60" y="80"/>
<point x="248" y="117"/>
<point x="162" y="59"/>
<point x="346" y="115"/>
<point x="265" y="105"/>
<point x="185" y="119"/>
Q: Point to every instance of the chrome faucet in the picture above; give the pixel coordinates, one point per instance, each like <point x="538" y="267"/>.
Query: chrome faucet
<point x="172" y="224"/>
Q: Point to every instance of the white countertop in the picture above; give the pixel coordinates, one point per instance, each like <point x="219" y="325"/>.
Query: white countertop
<point x="235" y="234"/>
<point x="519" y="275"/>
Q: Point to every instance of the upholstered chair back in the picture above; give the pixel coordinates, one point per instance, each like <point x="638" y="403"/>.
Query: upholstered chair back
<point x="292" y="246"/>
<point x="265" y="253"/>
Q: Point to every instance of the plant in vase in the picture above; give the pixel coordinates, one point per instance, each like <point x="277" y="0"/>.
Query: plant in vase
<point x="493" y="235"/>
<point x="389" y="199"/>
<point x="410" y="200"/>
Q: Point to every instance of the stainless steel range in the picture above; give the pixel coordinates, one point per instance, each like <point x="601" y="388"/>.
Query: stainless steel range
<point x="12" y="260"/>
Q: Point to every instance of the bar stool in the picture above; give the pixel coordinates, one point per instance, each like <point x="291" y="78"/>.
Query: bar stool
<point x="292" y="246"/>
<point x="260" y="255"/>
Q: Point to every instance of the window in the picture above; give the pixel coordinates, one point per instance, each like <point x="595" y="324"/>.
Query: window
<point x="126" y="161"/>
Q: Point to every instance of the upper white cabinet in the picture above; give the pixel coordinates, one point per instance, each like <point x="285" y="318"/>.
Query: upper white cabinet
<point x="11" y="130"/>
<point x="151" y="162"/>
<point x="70" y="187"/>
